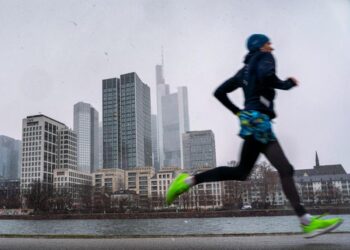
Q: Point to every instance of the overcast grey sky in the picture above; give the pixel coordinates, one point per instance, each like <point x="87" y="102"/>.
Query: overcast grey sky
<point x="56" y="53"/>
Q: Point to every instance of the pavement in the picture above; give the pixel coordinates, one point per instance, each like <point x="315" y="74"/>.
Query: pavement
<point x="331" y="241"/>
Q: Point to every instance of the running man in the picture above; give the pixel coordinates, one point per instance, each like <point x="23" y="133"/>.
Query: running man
<point x="258" y="80"/>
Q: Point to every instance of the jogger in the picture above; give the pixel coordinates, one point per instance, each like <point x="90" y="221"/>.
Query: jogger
<point x="258" y="80"/>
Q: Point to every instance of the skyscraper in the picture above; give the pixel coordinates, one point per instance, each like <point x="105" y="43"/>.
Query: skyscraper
<point x="10" y="150"/>
<point x="160" y="74"/>
<point x="126" y="123"/>
<point x="86" y="128"/>
<point x="100" y="145"/>
<point x="162" y="90"/>
<point x="94" y="140"/>
<point x="173" y="121"/>
<point x="199" y="149"/>
<point x="110" y="120"/>
<point x="155" y="148"/>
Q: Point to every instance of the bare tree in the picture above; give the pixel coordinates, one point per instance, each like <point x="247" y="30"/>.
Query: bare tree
<point x="265" y="185"/>
<point x="232" y="194"/>
<point x="85" y="196"/>
<point x="62" y="200"/>
<point x="10" y="197"/>
<point x="330" y="193"/>
<point x="38" y="196"/>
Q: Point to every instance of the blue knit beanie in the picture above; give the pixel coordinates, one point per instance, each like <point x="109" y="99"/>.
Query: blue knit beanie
<point x="256" y="41"/>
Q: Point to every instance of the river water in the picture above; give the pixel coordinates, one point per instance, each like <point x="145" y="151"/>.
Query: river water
<point x="132" y="227"/>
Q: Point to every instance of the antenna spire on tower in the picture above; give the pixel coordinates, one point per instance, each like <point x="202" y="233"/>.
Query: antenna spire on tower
<point x="162" y="56"/>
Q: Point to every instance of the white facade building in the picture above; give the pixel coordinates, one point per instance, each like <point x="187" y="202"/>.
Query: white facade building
<point x="112" y="179"/>
<point x="139" y="180"/>
<point x="40" y="146"/>
<point x="72" y="181"/>
<point x="67" y="149"/>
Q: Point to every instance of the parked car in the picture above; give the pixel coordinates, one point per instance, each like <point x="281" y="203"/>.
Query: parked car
<point x="247" y="206"/>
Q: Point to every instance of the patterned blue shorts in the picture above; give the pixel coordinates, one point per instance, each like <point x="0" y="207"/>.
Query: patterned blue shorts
<point x="256" y="124"/>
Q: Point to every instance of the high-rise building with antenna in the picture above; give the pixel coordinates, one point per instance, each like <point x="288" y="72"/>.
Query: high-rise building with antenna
<point x="172" y="120"/>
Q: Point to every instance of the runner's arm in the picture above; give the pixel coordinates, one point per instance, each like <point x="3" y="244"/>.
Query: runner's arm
<point x="267" y="72"/>
<point x="279" y="84"/>
<point x="229" y="86"/>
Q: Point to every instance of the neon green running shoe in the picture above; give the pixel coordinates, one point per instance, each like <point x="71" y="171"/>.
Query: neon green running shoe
<point x="320" y="226"/>
<point x="177" y="187"/>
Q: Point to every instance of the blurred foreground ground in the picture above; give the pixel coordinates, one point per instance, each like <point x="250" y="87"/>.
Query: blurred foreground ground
<point x="329" y="241"/>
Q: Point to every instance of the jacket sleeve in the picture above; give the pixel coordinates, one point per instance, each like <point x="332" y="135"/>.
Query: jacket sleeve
<point x="229" y="86"/>
<point x="267" y="73"/>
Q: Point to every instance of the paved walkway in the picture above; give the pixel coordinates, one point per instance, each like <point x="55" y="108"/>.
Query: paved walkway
<point x="331" y="241"/>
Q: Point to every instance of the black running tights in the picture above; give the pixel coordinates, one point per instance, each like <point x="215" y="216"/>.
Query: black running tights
<point x="250" y="152"/>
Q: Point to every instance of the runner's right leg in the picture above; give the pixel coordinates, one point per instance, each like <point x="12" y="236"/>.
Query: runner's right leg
<point x="249" y="154"/>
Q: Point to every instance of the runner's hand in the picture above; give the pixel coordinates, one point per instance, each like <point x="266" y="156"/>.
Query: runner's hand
<point x="296" y="82"/>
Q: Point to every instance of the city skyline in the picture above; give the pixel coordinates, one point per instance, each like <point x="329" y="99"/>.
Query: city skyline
<point x="194" y="57"/>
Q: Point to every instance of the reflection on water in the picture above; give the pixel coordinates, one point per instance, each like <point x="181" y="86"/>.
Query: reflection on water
<point x="227" y="225"/>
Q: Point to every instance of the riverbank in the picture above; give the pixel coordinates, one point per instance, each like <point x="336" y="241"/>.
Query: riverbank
<point x="180" y="214"/>
<point x="227" y="242"/>
<point x="150" y="236"/>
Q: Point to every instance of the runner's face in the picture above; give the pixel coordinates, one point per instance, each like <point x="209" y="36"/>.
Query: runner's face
<point x="266" y="47"/>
